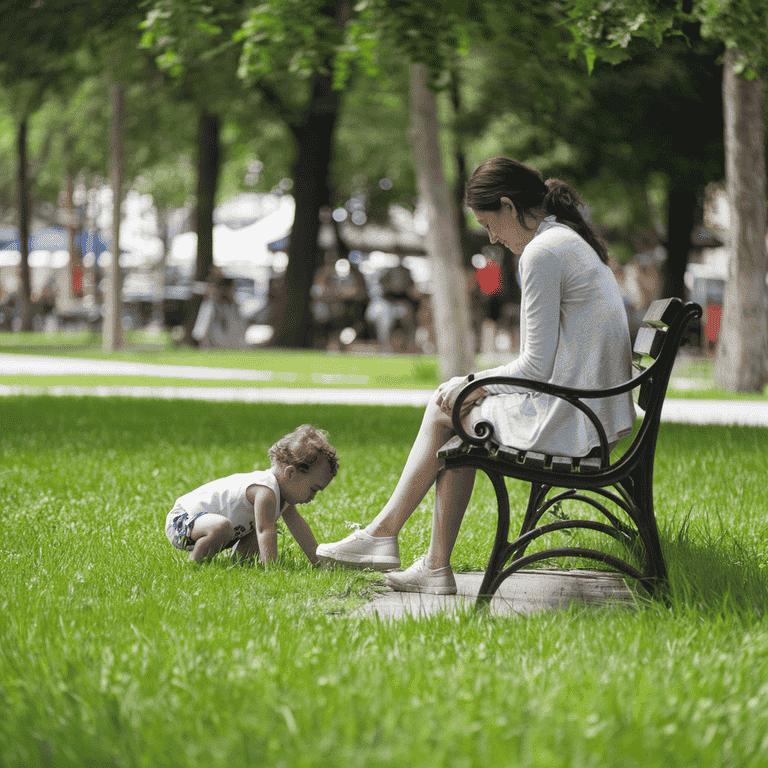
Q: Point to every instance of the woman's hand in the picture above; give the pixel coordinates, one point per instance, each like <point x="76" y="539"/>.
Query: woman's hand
<point x="448" y="391"/>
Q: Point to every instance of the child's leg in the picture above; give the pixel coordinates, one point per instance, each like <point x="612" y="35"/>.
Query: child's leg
<point x="247" y="549"/>
<point x="211" y="533"/>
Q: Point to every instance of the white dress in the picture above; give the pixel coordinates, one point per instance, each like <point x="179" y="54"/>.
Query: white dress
<point x="573" y="332"/>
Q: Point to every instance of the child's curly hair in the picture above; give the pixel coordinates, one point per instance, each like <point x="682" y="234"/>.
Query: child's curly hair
<point x="302" y="448"/>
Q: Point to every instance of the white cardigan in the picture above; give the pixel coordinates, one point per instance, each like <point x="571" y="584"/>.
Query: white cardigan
<point x="573" y="332"/>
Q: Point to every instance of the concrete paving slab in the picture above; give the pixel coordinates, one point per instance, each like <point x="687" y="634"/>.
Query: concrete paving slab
<point x="288" y="395"/>
<point x="42" y="365"/>
<point x="523" y="593"/>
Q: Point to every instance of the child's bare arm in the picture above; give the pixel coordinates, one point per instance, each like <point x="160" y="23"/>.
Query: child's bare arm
<point x="265" y="511"/>
<point x="301" y="531"/>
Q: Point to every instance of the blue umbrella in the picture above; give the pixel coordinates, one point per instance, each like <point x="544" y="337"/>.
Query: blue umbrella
<point x="49" y="239"/>
<point x="91" y="242"/>
<point x="8" y="235"/>
<point x="57" y="239"/>
<point x="281" y="244"/>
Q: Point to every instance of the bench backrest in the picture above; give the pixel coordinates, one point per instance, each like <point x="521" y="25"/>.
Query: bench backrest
<point x="654" y="332"/>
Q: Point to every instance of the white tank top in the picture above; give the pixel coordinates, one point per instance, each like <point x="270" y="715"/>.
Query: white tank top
<point x="226" y="496"/>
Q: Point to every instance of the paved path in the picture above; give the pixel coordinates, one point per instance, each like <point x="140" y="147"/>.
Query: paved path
<point x="526" y="592"/>
<point x="743" y="412"/>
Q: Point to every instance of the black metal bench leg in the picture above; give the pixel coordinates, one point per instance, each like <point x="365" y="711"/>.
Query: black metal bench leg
<point x="501" y="550"/>
<point x="642" y="494"/>
<point x="532" y="513"/>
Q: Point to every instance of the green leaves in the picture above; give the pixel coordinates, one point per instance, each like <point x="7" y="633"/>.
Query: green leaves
<point x="298" y="37"/>
<point x="603" y="29"/>
<point x="741" y="25"/>
<point x="434" y="34"/>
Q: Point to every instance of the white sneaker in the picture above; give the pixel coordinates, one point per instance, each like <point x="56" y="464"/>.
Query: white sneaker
<point x="361" y="550"/>
<point x="419" y="578"/>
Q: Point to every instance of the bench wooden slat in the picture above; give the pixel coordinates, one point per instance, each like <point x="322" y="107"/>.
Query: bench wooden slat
<point x="513" y="456"/>
<point x="661" y="313"/>
<point x="648" y="344"/>
<point x="589" y="465"/>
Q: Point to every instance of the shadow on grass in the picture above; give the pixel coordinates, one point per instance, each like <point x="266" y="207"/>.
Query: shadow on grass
<point x="716" y="573"/>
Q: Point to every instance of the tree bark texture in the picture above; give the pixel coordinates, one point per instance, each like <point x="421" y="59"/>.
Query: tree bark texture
<point x="681" y="212"/>
<point x="314" y="136"/>
<point x="208" y="163"/>
<point x="742" y="352"/>
<point x="25" y="294"/>
<point x="450" y="297"/>
<point x="111" y="330"/>
<point x="314" y="148"/>
<point x="69" y="186"/>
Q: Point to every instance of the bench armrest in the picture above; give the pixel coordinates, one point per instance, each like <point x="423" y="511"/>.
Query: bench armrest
<point x="569" y="394"/>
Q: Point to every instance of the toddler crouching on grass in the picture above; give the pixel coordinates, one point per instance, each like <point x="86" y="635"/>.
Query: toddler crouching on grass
<point x="241" y="510"/>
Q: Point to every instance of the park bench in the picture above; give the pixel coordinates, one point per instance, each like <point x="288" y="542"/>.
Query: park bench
<point x="596" y="481"/>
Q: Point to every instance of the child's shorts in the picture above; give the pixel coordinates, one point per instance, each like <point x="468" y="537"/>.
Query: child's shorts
<point x="178" y="528"/>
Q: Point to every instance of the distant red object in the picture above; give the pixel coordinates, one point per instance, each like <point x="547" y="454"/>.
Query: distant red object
<point x="712" y="326"/>
<point x="77" y="280"/>
<point x="489" y="278"/>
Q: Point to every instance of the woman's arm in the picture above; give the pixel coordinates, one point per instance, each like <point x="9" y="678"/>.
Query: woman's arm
<point x="301" y="531"/>
<point x="542" y="282"/>
<point x="448" y="391"/>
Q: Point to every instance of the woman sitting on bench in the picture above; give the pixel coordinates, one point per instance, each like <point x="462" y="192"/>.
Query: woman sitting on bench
<point x="573" y="332"/>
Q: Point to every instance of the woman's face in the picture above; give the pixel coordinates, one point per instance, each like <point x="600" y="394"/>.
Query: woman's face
<point x="503" y="227"/>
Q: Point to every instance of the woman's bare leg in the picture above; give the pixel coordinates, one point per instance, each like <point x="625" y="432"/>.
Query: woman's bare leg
<point x="420" y="472"/>
<point x="452" y="493"/>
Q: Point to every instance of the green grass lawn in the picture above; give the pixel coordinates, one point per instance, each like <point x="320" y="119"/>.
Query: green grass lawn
<point x="116" y="651"/>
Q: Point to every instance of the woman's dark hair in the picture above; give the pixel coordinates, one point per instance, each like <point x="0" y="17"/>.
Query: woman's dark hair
<point x="525" y="187"/>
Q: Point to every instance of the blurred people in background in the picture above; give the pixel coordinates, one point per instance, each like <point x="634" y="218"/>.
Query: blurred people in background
<point x="219" y="324"/>
<point x="393" y="310"/>
<point x="6" y="311"/>
<point x="339" y="298"/>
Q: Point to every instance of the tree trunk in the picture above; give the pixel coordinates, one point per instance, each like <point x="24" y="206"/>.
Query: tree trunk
<point x="314" y="149"/>
<point x="165" y="237"/>
<point x="25" y="294"/>
<point x="461" y="172"/>
<point x="455" y="346"/>
<point x="681" y="213"/>
<point x="314" y="146"/>
<point x="742" y="352"/>
<point x="111" y="332"/>
<point x="208" y="163"/>
<point x="69" y="185"/>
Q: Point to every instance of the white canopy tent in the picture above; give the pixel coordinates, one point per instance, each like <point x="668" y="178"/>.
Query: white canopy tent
<point x="242" y="251"/>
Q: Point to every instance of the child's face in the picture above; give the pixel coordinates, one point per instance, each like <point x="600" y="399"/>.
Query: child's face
<point x="301" y="487"/>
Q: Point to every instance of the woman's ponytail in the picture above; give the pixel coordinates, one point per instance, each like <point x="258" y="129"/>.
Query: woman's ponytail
<point x="564" y="202"/>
